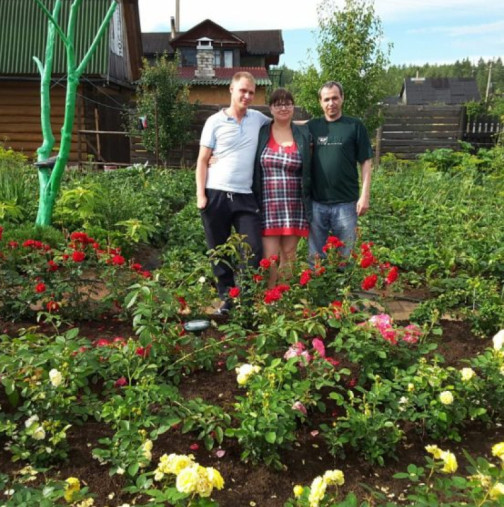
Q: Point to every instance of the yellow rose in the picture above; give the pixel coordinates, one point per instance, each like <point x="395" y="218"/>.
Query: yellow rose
<point x="498" y="450"/>
<point x="467" y="374"/>
<point x="215" y="478"/>
<point x="446" y="397"/>
<point x="174" y="463"/>
<point x="450" y="462"/>
<point x="334" y="478"/>
<point x="298" y="490"/>
<point x="72" y="487"/>
<point x="187" y="479"/>
<point x="204" y="485"/>
<point x="317" y="491"/>
<point x="497" y="491"/>
<point x="434" y="450"/>
<point x="411" y="387"/>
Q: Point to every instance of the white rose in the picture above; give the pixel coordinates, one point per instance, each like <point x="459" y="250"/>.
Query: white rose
<point x="446" y="397"/>
<point x="467" y="373"/>
<point x="31" y="420"/>
<point x="39" y="433"/>
<point x="55" y="377"/>
<point x="498" y="340"/>
<point x="202" y="280"/>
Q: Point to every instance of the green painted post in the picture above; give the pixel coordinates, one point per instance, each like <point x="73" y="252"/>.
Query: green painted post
<point x="50" y="179"/>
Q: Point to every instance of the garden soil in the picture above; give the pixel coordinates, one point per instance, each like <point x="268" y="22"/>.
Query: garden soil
<point x="247" y="485"/>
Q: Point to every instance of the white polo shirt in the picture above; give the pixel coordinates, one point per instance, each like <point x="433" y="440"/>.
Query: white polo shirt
<point x="234" y="145"/>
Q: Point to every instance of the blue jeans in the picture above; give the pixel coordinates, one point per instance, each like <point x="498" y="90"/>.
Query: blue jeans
<point x="338" y="219"/>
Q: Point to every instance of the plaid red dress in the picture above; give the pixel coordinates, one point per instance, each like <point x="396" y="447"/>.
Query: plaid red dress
<point x="282" y="206"/>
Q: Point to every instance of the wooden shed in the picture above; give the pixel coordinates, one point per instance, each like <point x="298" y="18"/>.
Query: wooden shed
<point x="105" y="87"/>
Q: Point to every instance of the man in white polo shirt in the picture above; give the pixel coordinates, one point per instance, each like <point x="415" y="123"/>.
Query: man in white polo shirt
<point x="224" y="189"/>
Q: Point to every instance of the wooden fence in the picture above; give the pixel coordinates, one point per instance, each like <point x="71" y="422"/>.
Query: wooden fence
<point x="482" y="131"/>
<point x="410" y="130"/>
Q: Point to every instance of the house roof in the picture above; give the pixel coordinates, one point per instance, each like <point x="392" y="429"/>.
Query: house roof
<point x="421" y="91"/>
<point x="208" y="28"/>
<point x="255" y="42"/>
<point x="223" y="76"/>
<point x="23" y="34"/>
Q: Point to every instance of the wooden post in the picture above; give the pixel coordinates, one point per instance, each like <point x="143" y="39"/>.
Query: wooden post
<point x="379" y="132"/>
<point x="97" y="128"/>
<point x="157" y="129"/>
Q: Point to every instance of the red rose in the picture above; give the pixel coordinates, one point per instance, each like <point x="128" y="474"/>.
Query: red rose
<point x="234" y="292"/>
<point x="392" y="275"/>
<point x="121" y="382"/>
<point x="265" y="263"/>
<point x="367" y="260"/>
<point x="102" y="342"/>
<point x="13" y="244"/>
<point x="78" y="256"/>
<point x="305" y="277"/>
<point x="1" y="231"/>
<point x="52" y="306"/>
<point x="273" y="258"/>
<point x="52" y="266"/>
<point x="136" y="267"/>
<point x="257" y="278"/>
<point x="40" y="287"/>
<point x="283" y="287"/>
<point x="118" y="260"/>
<point x="369" y="282"/>
<point x="272" y="295"/>
<point x="194" y="447"/>
<point x="143" y="351"/>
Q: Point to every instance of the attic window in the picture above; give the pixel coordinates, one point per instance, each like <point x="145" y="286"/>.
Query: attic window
<point x="204" y="43"/>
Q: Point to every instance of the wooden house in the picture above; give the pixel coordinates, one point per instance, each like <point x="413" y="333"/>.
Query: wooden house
<point x="210" y="55"/>
<point x="448" y="91"/>
<point x="105" y="87"/>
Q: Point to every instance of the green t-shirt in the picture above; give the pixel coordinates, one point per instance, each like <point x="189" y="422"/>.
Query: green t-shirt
<point x="337" y="147"/>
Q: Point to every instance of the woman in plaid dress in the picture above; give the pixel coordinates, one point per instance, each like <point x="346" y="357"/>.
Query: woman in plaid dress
<point x="282" y="183"/>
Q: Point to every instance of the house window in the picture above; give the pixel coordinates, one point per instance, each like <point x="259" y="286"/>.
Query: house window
<point x="188" y="57"/>
<point x="228" y="59"/>
<point x="223" y="59"/>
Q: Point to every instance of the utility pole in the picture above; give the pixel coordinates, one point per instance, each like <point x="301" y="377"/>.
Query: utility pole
<point x="489" y="82"/>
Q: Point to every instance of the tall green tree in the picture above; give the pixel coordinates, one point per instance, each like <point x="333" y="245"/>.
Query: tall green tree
<point x="350" y="50"/>
<point x="163" y="104"/>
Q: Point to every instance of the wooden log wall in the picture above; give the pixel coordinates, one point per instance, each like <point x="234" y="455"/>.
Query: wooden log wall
<point x="187" y="155"/>
<point x="20" y="118"/>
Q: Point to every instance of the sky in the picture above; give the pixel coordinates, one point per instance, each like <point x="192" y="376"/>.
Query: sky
<point x="421" y="31"/>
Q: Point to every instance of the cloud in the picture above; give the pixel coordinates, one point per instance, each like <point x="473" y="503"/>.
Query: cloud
<point x="483" y="29"/>
<point x="258" y="15"/>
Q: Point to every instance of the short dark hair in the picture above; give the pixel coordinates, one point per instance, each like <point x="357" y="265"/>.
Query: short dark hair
<point x="280" y="95"/>
<point x="331" y="84"/>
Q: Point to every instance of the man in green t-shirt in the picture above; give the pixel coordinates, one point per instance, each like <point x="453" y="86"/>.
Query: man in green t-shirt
<point x="340" y="143"/>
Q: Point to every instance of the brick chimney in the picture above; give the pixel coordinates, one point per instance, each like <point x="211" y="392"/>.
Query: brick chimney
<point x="204" y="59"/>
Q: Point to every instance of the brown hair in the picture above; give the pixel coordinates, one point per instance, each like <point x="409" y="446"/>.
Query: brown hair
<point x="280" y="95"/>
<point x="331" y="84"/>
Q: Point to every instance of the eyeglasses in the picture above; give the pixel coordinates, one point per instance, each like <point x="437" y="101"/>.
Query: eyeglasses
<point x="278" y="107"/>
